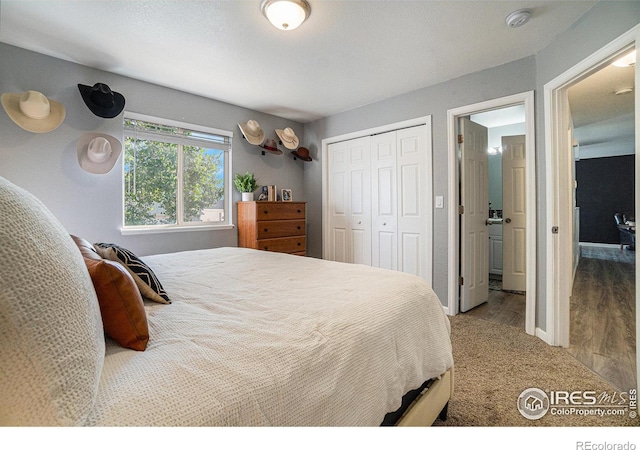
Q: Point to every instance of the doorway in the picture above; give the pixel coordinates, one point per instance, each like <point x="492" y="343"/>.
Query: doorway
<point x="456" y="210"/>
<point x="560" y="252"/>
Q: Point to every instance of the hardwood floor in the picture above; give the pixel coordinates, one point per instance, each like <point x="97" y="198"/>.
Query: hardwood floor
<point x="502" y="307"/>
<point x="602" y="313"/>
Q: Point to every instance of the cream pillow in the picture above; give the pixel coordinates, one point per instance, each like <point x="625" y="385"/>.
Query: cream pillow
<point x="51" y="336"/>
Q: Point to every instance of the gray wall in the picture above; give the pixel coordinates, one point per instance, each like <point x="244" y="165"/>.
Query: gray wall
<point x="602" y="24"/>
<point x="91" y="205"/>
<point x="512" y="78"/>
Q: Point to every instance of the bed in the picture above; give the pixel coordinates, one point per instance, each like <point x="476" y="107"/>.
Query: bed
<point x="249" y="338"/>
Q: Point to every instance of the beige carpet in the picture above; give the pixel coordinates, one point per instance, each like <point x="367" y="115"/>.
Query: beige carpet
<point x="494" y="363"/>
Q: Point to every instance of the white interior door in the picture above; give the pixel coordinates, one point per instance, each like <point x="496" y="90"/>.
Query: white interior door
<point x="384" y="244"/>
<point x="474" y="247"/>
<point x="514" y="213"/>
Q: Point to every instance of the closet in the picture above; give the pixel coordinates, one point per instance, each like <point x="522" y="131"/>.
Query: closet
<point x="379" y="201"/>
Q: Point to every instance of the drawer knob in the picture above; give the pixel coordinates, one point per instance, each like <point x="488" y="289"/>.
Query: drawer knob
<point x="266" y="247"/>
<point x="299" y="244"/>
<point x="266" y="230"/>
<point x="299" y="227"/>
<point x="299" y="211"/>
<point x="266" y="211"/>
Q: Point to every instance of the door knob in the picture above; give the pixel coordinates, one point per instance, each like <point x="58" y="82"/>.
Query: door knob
<point x="507" y="220"/>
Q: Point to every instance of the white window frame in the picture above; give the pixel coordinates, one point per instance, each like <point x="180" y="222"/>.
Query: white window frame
<point x="191" y="226"/>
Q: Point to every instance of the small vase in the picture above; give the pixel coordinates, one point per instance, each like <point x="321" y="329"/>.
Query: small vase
<point x="247" y="196"/>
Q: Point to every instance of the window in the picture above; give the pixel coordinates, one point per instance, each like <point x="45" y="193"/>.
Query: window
<point x="175" y="175"/>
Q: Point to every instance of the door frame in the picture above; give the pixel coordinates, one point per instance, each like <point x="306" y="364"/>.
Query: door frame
<point x="526" y="99"/>
<point x="559" y="186"/>
<point x="423" y="120"/>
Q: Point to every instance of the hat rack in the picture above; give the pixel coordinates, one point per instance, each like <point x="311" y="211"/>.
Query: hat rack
<point x="285" y="137"/>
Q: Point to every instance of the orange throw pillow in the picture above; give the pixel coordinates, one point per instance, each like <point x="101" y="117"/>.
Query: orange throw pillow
<point x="121" y="305"/>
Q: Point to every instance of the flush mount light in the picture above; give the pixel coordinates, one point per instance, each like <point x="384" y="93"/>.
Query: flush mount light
<point x="518" y="18"/>
<point x="286" y="14"/>
<point x="624" y="91"/>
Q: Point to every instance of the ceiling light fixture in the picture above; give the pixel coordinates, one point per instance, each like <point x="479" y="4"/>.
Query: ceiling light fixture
<point x="518" y="18"/>
<point x="627" y="60"/>
<point x="623" y="91"/>
<point x="286" y="14"/>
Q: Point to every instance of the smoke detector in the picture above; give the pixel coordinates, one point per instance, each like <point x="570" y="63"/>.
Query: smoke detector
<point x="518" y="18"/>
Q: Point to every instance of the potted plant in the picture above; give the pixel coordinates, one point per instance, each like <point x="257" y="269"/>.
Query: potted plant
<point x="246" y="184"/>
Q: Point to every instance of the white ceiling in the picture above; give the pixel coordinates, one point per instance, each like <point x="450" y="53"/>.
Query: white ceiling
<point x="604" y="123"/>
<point x="347" y="54"/>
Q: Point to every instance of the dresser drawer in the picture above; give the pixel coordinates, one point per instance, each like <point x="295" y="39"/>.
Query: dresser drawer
<point x="268" y="229"/>
<point x="283" y="245"/>
<point x="279" y="210"/>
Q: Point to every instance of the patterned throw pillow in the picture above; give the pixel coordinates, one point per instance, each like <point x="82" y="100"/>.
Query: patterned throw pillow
<point x="142" y="274"/>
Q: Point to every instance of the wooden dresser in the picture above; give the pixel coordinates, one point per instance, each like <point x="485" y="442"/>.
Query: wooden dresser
<point x="273" y="226"/>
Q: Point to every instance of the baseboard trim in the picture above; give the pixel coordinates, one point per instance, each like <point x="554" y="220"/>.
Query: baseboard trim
<point x="598" y="244"/>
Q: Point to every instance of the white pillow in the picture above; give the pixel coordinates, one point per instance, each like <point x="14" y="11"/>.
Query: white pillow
<point x="51" y="337"/>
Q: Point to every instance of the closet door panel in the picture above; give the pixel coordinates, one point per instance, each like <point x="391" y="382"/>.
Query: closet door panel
<point x="412" y="252"/>
<point x="359" y="194"/>
<point x="384" y="182"/>
<point x="338" y="203"/>
<point x="412" y="200"/>
<point x="379" y="200"/>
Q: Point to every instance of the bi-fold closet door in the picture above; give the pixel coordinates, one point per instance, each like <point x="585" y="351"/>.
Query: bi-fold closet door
<point x="378" y="201"/>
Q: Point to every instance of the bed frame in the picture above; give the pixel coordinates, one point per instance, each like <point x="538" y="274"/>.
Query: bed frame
<point x="431" y="403"/>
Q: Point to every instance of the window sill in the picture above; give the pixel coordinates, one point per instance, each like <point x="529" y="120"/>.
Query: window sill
<point x="173" y="229"/>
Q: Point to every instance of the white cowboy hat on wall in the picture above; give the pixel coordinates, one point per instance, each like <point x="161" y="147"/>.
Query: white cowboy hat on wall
<point x="252" y="132"/>
<point x="288" y="138"/>
<point x="98" y="152"/>
<point x="33" y="111"/>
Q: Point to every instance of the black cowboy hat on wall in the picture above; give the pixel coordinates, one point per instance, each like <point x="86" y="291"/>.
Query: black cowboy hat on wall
<point x="101" y="100"/>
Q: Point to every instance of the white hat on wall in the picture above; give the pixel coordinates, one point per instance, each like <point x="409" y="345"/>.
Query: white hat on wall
<point x="98" y="152"/>
<point x="252" y="132"/>
<point x="288" y="138"/>
<point x="33" y="111"/>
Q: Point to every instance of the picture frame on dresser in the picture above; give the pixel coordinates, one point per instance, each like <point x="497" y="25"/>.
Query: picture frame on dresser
<point x="286" y="195"/>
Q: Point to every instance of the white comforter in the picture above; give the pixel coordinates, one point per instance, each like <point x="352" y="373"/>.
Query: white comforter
<point x="266" y="339"/>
